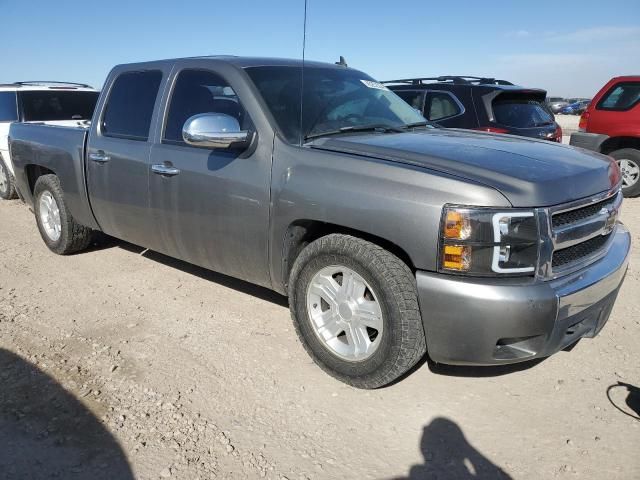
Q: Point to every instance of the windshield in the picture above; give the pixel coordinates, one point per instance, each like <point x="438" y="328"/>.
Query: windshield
<point x="334" y="99"/>
<point x="48" y="105"/>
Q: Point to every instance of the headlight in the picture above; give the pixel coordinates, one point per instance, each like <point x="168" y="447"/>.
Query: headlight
<point x="487" y="241"/>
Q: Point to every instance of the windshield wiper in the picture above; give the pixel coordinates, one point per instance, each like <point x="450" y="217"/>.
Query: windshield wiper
<point x="382" y="128"/>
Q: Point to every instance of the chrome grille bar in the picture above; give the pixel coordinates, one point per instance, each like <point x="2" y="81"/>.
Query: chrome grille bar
<point x="579" y="232"/>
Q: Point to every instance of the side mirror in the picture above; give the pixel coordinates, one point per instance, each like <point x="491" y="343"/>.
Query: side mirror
<point x="214" y="130"/>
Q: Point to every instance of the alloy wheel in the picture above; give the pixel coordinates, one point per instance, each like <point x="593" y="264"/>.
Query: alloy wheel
<point x="345" y="313"/>
<point x="630" y="172"/>
<point x="50" y="216"/>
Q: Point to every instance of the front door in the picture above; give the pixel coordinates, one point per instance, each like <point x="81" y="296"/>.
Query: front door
<point x="210" y="207"/>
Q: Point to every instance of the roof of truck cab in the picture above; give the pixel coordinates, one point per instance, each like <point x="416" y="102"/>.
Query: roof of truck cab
<point x="243" y="62"/>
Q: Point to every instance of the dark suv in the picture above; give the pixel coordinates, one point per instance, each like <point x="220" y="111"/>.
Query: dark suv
<point x="480" y="104"/>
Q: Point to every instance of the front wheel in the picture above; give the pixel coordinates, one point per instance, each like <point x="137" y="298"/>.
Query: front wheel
<point x="7" y="185"/>
<point x="629" y="162"/>
<point x="61" y="233"/>
<point x="355" y="309"/>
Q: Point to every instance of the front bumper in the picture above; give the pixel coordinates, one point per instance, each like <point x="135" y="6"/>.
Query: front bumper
<point x="488" y="321"/>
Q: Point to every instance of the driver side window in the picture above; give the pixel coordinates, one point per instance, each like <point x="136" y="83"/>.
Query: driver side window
<point x="200" y="91"/>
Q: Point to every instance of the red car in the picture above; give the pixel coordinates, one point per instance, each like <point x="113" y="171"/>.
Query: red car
<point x="611" y="125"/>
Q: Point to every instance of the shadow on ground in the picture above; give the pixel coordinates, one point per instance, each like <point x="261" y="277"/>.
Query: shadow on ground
<point x="448" y="454"/>
<point x="45" y="432"/>
<point x="103" y="241"/>
<point x="632" y="400"/>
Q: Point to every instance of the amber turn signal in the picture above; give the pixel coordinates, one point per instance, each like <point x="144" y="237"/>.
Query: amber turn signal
<point x="457" y="257"/>
<point x="457" y="225"/>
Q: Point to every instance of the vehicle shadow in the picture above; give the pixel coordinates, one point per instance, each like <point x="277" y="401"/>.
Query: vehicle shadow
<point x="448" y="454"/>
<point x="45" y="432"/>
<point x="102" y="242"/>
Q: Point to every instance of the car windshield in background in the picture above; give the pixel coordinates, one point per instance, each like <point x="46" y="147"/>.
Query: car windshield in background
<point x="334" y="99"/>
<point x="49" y="105"/>
<point x="521" y="113"/>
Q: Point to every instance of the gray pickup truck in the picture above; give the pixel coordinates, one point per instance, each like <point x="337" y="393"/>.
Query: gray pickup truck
<point x="391" y="237"/>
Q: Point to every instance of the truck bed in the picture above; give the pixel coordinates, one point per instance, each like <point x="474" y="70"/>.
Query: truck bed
<point x="60" y="149"/>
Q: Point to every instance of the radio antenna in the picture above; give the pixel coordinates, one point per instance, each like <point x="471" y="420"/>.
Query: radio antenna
<point x="304" y="45"/>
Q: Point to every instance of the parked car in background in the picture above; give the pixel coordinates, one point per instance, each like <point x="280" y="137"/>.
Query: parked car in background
<point x="555" y="104"/>
<point x="390" y="237"/>
<point x="577" y="100"/>
<point x="478" y="103"/>
<point x="611" y="125"/>
<point x="576" y="108"/>
<point x="55" y="103"/>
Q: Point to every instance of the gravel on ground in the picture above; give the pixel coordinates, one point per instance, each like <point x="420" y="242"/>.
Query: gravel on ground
<point x="122" y="363"/>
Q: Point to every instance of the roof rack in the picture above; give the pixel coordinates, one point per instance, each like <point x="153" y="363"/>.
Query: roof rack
<point x="44" y="83"/>
<point x="459" y="79"/>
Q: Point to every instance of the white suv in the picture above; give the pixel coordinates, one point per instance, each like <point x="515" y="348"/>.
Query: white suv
<point x="57" y="103"/>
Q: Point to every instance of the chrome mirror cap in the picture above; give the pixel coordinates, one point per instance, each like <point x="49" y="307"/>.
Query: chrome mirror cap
<point x="214" y="130"/>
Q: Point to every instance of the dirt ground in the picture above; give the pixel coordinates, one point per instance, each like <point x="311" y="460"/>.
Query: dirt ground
<point x="118" y="363"/>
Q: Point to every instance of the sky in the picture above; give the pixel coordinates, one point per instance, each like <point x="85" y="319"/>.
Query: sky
<point x="569" y="48"/>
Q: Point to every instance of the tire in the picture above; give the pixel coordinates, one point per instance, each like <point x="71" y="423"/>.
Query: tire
<point x="7" y="182"/>
<point x="629" y="159"/>
<point x="390" y="285"/>
<point x="70" y="236"/>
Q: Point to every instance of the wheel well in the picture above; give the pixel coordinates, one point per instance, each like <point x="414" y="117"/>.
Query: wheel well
<point x="34" y="172"/>
<point x="303" y="232"/>
<point x="616" y="143"/>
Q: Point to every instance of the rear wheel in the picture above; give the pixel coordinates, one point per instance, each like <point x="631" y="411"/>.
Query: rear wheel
<point x="62" y="234"/>
<point x="355" y="309"/>
<point x="7" y="184"/>
<point x="629" y="162"/>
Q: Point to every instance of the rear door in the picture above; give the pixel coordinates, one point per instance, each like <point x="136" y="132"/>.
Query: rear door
<point x="118" y="154"/>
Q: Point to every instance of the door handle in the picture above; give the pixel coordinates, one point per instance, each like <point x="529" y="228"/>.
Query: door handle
<point x="164" y="170"/>
<point x="99" y="157"/>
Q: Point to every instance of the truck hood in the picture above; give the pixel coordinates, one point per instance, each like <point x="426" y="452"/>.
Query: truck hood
<point x="530" y="173"/>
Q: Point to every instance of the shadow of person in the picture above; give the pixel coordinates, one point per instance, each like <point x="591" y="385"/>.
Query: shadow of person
<point x="448" y="455"/>
<point x="45" y="432"/>
<point x="633" y="399"/>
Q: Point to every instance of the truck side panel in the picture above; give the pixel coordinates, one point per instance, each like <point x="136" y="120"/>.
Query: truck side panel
<point x="59" y="150"/>
<point x="399" y="205"/>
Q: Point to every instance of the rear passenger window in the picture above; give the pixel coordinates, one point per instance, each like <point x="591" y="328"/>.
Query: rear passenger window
<point x="441" y="105"/>
<point x="415" y="98"/>
<point x="622" y="96"/>
<point x="8" y="107"/>
<point x="130" y="105"/>
<point x="200" y="91"/>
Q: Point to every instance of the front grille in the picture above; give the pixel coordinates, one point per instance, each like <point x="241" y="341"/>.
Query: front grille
<point x="579" y="251"/>
<point x="574" y="216"/>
